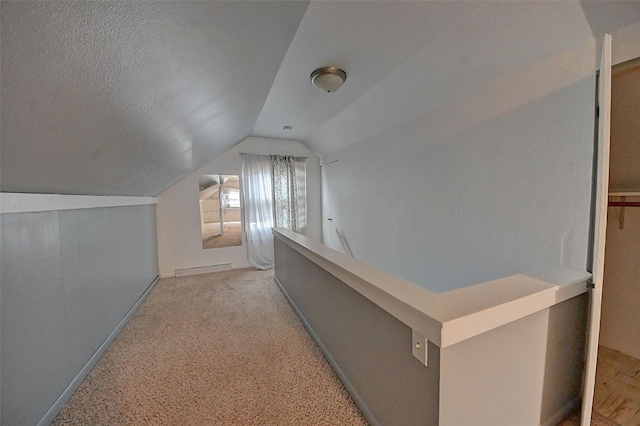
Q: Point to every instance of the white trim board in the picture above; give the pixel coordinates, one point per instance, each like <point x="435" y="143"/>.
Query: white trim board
<point x="203" y="270"/>
<point x="453" y="316"/>
<point x="11" y="202"/>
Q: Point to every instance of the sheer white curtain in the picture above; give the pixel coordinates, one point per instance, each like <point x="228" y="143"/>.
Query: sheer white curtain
<point x="274" y="195"/>
<point x="258" y="209"/>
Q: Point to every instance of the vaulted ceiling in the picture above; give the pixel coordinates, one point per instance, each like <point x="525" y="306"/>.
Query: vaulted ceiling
<point x="125" y="98"/>
<point x="128" y="97"/>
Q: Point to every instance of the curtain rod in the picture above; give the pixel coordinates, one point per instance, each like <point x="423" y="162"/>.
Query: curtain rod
<point x="624" y="203"/>
<point x="266" y="155"/>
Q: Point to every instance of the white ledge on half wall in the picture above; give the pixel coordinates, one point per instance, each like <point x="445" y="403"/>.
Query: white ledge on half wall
<point x="453" y="316"/>
<point x="11" y="202"/>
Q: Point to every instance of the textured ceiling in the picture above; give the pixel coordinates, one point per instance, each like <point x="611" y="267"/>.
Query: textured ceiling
<point x="127" y="98"/>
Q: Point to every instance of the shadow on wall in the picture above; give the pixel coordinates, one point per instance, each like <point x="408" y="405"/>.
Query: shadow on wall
<point x="565" y="355"/>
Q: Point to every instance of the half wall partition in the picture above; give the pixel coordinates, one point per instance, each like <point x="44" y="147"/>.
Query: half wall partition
<point x="503" y="352"/>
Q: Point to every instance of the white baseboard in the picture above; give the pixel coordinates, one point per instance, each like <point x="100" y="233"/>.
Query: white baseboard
<point x="75" y="383"/>
<point x="203" y="270"/>
<point x="21" y="203"/>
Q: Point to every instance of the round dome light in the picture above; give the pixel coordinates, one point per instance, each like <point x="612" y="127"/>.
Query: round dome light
<point x="328" y="79"/>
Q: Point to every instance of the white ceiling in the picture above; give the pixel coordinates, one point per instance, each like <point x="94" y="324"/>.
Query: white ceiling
<point x="367" y="39"/>
<point x="126" y="98"/>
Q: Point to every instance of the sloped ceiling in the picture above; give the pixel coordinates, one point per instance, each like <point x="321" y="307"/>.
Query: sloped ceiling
<point x="404" y="59"/>
<point x="126" y="98"/>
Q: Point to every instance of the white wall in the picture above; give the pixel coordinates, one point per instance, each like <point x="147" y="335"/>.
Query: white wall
<point x="179" y="239"/>
<point x="497" y="183"/>
<point x="493" y="182"/>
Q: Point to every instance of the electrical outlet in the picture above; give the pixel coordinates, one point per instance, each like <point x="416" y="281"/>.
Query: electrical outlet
<point x="419" y="346"/>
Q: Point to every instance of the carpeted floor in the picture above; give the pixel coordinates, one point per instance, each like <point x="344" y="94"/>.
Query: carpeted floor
<point x="214" y="349"/>
<point x="217" y="349"/>
<point x="232" y="235"/>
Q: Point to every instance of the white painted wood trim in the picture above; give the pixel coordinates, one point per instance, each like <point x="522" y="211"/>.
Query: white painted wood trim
<point x="624" y="194"/>
<point x="450" y="317"/>
<point x="11" y="202"/>
<point x="402" y="299"/>
<point x="601" y="177"/>
<point x="203" y="270"/>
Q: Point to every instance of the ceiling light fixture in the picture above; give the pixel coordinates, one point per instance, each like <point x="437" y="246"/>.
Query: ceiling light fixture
<point x="328" y="79"/>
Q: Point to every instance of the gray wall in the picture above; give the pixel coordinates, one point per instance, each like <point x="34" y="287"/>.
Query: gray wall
<point x="527" y="372"/>
<point x="370" y="349"/>
<point x="68" y="278"/>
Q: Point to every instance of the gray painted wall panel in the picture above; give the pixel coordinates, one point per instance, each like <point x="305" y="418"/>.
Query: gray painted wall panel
<point x="67" y="279"/>
<point x="106" y="269"/>
<point x="527" y="372"/>
<point x="564" y="360"/>
<point x="35" y="355"/>
<point x="1" y="260"/>
<point x="371" y="347"/>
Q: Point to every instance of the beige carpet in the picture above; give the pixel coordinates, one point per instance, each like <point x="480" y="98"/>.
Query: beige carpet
<point x="214" y="349"/>
<point x="232" y="235"/>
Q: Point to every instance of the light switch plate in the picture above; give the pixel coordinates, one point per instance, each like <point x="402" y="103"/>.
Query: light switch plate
<point x="419" y="346"/>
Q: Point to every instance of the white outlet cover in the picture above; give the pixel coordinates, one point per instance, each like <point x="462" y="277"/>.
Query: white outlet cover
<point x="419" y="346"/>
